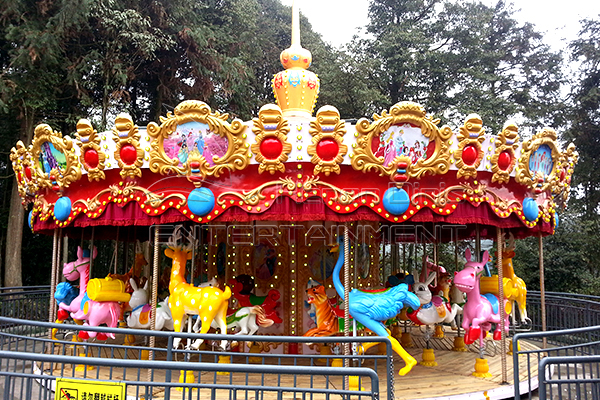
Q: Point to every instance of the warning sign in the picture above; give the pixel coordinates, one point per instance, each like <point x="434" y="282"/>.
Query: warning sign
<point x="79" y="389"/>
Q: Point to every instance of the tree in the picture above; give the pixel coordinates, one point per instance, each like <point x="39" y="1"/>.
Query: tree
<point x="461" y="57"/>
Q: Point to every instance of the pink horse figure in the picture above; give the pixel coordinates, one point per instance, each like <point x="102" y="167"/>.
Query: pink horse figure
<point x="480" y="311"/>
<point x="78" y="269"/>
<point x="82" y="308"/>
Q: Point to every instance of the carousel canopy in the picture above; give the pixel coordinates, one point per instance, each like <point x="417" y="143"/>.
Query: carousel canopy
<point x="197" y="165"/>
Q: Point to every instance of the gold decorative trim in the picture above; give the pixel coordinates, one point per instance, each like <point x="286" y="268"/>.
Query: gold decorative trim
<point x="271" y="124"/>
<point x="470" y="134"/>
<point x="21" y="159"/>
<point x="327" y="126"/>
<point x="480" y="191"/>
<point x="256" y="195"/>
<point x="507" y="141"/>
<point x="364" y="160"/>
<point x="152" y="199"/>
<point x="125" y="133"/>
<point x="561" y="185"/>
<point x="88" y="139"/>
<point x="236" y="157"/>
<point x="62" y="178"/>
<point x="534" y="181"/>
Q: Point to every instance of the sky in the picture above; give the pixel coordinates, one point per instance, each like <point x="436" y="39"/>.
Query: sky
<point x="338" y="20"/>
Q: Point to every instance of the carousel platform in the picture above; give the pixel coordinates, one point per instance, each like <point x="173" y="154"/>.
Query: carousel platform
<point x="451" y="379"/>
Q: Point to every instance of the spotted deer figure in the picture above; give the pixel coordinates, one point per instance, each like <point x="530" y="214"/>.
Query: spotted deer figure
<point x="208" y="303"/>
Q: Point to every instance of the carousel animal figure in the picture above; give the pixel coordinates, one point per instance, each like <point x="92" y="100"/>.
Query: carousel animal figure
<point x="371" y="308"/>
<point x="433" y="309"/>
<point x="135" y="273"/>
<point x="514" y="287"/>
<point x="78" y="269"/>
<point x="209" y="303"/>
<point x="327" y="320"/>
<point x="248" y="320"/>
<point x="242" y="287"/>
<point x="140" y="309"/>
<point x="480" y="311"/>
<point x="97" y="313"/>
<point x="429" y="267"/>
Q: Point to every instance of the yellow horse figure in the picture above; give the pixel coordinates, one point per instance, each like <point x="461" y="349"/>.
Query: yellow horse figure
<point x="208" y="303"/>
<point x="514" y="287"/>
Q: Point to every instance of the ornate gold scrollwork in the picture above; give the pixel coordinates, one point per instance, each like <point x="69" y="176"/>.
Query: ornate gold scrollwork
<point x="128" y="153"/>
<point x="58" y="177"/>
<point x="152" y="199"/>
<point x="480" y="191"/>
<point x="196" y="168"/>
<point x="561" y="185"/>
<point x="328" y="130"/>
<point x="364" y="160"/>
<point x="270" y="125"/>
<point x="23" y="165"/>
<point x="254" y="196"/>
<point x="534" y="180"/>
<point x="89" y="141"/>
<point x="470" y="134"/>
<point x="507" y="143"/>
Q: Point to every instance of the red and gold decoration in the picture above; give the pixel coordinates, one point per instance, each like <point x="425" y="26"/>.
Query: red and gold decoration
<point x="23" y="165"/>
<point x="55" y="163"/>
<point x="504" y="159"/>
<point x="197" y="166"/>
<point x="92" y="156"/>
<point x="128" y="153"/>
<point x="437" y="161"/>
<point x="327" y="148"/>
<point x="538" y="162"/>
<point x="272" y="148"/>
<point x="469" y="153"/>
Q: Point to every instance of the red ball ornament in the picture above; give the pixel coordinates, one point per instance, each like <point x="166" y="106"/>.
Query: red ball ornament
<point x="91" y="158"/>
<point x="504" y="160"/>
<point x="28" y="172"/>
<point x="128" y="154"/>
<point x="327" y="149"/>
<point x="469" y="155"/>
<point x="271" y="148"/>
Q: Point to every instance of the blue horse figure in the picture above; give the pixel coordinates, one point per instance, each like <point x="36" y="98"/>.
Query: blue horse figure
<point x="370" y="308"/>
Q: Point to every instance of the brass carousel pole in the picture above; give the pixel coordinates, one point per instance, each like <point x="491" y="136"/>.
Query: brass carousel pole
<point x="500" y="246"/>
<point x="154" y="297"/>
<point x="53" y="280"/>
<point x="542" y="286"/>
<point x="346" y="300"/>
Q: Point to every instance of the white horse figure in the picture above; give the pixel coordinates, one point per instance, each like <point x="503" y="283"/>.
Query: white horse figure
<point x="141" y="310"/>
<point x="248" y="320"/>
<point x="434" y="309"/>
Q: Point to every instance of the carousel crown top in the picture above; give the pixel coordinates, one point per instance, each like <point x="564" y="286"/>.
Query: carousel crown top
<point x="286" y="165"/>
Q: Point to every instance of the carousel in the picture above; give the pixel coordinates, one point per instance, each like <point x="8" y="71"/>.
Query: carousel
<point x="256" y="220"/>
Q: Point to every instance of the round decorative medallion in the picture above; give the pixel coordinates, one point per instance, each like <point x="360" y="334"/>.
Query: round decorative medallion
<point x="469" y="155"/>
<point x="128" y="154"/>
<point x="201" y="201"/>
<point x="271" y="148"/>
<point x="91" y="158"/>
<point x="327" y="149"/>
<point x="396" y="201"/>
<point x="504" y="160"/>
<point x="62" y="208"/>
<point x="530" y="209"/>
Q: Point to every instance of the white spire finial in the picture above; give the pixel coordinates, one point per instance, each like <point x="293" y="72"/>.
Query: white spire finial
<point x="295" y="25"/>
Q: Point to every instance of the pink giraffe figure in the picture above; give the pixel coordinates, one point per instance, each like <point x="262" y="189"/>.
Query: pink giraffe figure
<point x="480" y="311"/>
<point x="78" y="269"/>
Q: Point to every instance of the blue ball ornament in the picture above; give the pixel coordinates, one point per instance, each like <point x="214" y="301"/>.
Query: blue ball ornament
<point x="62" y="208"/>
<point x="30" y="219"/>
<point x="556" y="220"/>
<point x="201" y="201"/>
<point x="530" y="209"/>
<point x="396" y="201"/>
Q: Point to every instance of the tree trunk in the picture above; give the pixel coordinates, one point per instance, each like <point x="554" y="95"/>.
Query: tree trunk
<point x="12" y="271"/>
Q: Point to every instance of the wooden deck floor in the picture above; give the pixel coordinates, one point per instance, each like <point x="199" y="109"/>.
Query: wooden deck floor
<point x="452" y="377"/>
